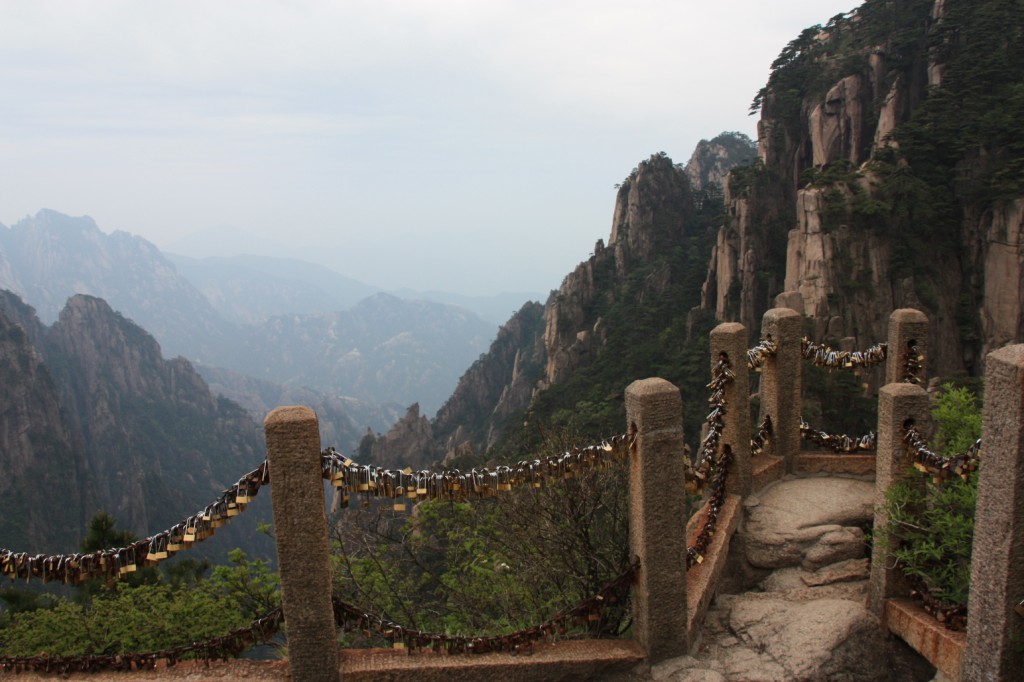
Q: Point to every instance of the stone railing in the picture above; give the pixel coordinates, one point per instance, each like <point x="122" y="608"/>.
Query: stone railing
<point x="668" y="601"/>
<point x="991" y="647"/>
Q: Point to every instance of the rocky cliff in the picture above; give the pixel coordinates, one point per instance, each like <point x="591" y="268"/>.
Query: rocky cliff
<point x="96" y="419"/>
<point x="887" y="177"/>
<point x="499" y="384"/>
<point x="409" y="443"/>
<point x="711" y="161"/>
<point x="889" y="173"/>
<point x="652" y="212"/>
<point x="565" y="364"/>
<point x="41" y="501"/>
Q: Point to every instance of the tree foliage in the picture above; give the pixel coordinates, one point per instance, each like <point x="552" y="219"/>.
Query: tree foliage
<point x="160" y="613"/>
<point x="931" y="526"/>
<point x="125" y="619"/>
<point x="491" y="566"/>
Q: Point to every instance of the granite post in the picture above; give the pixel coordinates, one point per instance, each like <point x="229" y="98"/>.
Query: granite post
<point x="907" y="327"/>
<point x="300" y="527"/>
<point x="995" y="631"/>
<point x="730" y="338"/>
<point x="782" y="383"/>
<point x="657" y="518"/>
<point x="899" y="405"/>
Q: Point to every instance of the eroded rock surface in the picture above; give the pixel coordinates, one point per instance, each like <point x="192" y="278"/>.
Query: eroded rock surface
<point x="806" y="618"/>
<point x="808" y="522"/>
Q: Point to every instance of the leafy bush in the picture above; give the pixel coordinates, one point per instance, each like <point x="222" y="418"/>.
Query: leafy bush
<point x="931" y="526"/>
<point x="148" y="617"/>
<point x="143" y="618"/>
<point x="490" y="566"/>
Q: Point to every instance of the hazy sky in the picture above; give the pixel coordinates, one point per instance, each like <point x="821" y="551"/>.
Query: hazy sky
<point x="465" y="145"/>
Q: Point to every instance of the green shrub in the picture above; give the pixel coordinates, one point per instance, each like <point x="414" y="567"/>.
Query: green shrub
<point x="931" y="526"/>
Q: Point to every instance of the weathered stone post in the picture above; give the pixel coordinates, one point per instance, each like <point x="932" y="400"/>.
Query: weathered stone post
<point x="995" y="633"/>
<point x="782" y="383"/>
<point x="898" y="404"/>
<point x="731" y="338"/>
<point x="907" y="327"/>
<point x="300" y="526"/>
<point x="657" y="518"/>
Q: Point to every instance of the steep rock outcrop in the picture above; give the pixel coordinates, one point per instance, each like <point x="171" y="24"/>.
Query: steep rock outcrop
<point x="1002" y="316"/>
<point x="652" y="210"/>
<point x="41" y="497"/>
<point x="409" y="443"/>
<point x="656" y="246"/>
<point x="500" y="383"/>
<point x="158" y="442"/>
<point x="95" y="419"/>
<point x="856" y="223"/>
<point x="711" y="161"/>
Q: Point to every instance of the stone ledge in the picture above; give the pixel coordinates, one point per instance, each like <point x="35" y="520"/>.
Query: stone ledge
<point x="767" y="469"/>
<point x="565" y="660"/>
<point x="826" y="462"/>
<point x="943" y="648"/>
<point x="702" y="579"/>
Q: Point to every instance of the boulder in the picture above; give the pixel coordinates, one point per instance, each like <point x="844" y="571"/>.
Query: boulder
<point x="808" y="522"/>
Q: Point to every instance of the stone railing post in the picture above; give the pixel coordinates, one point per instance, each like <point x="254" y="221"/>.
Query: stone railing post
<point x="907" y="327"/>
<point x="300" y="527"/>
<point x="657" y="518"/>
<point x="782" y="383"/>
<point x="898" y="403"/>
<point x="731" y="338"/>
<point x="995" y="632"/>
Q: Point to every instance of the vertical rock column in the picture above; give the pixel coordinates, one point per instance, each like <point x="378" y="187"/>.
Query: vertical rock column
<point x="657" y="518"/>
<point x="907" y="327"/>
<point x="300" y="526"/>
<point x="782" y="382"/>
<point x="995" y="632"/>
<point x="898" y="405"/>
<point x="730" y="338"/>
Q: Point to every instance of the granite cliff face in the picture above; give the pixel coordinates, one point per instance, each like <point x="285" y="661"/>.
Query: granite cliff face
<point x="656" y="246"/>
<point x="500" y="383"/>
<point x="40" y="499"/>
<point x="409" y="443"/>
<point x="96" y="419"/>
<point x="889" y="174"/>
<point x="877" y="188"/>
<point x="711" y="161"/>
<point x="652" y="210"/>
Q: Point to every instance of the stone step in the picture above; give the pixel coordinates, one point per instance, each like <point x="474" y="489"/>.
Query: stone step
<point x="828" y="462"/>
<point x="565" y="660"/>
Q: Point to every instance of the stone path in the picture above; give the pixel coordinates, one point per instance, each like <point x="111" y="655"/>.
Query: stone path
<point x="796" y="603"/>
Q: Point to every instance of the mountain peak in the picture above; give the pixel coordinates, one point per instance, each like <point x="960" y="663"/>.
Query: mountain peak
<point x="712" y="159"/>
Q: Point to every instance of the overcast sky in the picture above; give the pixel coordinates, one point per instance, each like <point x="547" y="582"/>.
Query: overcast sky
<point x="464" y="145"/>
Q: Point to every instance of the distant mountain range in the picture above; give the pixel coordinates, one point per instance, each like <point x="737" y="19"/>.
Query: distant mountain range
<point x="93" y="417"/>
<point x="250" y="289"/>
<point x="293" y="323"/>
